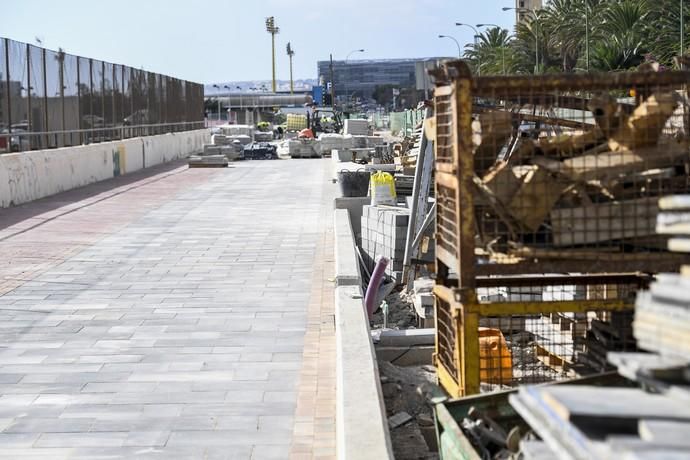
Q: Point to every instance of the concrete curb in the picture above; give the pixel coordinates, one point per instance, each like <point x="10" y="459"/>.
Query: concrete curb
<point x="361" y="423"/>
<point x="346" y="262"/>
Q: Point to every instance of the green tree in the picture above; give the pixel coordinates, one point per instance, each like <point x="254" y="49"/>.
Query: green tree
<point x="492" y="52"/>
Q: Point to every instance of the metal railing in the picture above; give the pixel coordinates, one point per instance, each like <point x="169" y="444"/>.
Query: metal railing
<point x="56" y="99"/>
<point x="26" y="140"/>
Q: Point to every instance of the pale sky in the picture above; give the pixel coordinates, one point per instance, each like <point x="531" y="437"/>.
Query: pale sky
<point x="226" y="40"/>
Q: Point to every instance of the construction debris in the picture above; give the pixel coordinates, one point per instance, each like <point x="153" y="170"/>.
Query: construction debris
<point x="584" y="186"/>
<point x="587" y="422"/>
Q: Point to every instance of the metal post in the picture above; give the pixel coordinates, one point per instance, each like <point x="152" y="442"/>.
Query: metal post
<point x="9" y="96"/>
<point x="332" y="85"/>
<point x="28" y="97"/>
<point x="79" y="112"/>
<point x="112" y="101"/>
<point x="122" y="111"/>
<point x="503" y="58"/>
<point x="682" y="34"/>
<point x="102" y="100"/>
<point x="536" y="46"/>
<point x="469" y="351"/>
<point x="45" y="98"/>
<point x="420" y="196"/>
<point x="61" y="78"/>
<point x="479" y="58"/>
<point x="273" y="53"/>
<point x="587" y="35"/>
<point x="291" y="82"/>
<point x="91" y="96"/>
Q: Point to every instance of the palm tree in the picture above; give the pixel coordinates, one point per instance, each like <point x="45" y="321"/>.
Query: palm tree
<point x="491" y="50"/>
<point x="662" y="31"/>
<point x="624" y="24"/>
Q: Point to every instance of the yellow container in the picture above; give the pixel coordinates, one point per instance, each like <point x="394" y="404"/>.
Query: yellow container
<point x="495" y="359"/>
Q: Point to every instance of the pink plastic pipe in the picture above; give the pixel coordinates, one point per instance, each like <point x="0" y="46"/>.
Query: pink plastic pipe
<point x="374" y="284"/>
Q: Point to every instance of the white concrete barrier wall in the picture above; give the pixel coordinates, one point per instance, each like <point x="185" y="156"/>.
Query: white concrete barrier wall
<point x="28" y="176"/>
<point x="361" y="423"/>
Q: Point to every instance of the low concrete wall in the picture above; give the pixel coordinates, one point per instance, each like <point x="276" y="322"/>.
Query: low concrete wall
<point x="28" y="176"/>
<point x="355" y="206"/>
<point x="362" y="426"/>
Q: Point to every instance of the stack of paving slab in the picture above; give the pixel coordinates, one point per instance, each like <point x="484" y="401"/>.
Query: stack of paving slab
<point x="241" y="138"/>
<point x="238" y="130"/>
<point x="366" y="142"/>
<point x="214" y="155"/>
<point x="304" y="148"/>
<point x="582" y="422"/>
<point x="263" y="136"/>
<point x="662" y="314"/>
<point x="384" y="233"/>
<point x="356" y="127"/>
<point x="227" y="147"/>
<point x="359" y="147"/>
<point x="329" y="142"/>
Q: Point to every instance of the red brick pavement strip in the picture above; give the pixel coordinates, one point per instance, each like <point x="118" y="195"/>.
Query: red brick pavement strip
<point x="40" y="235"/>
<point x="314" y="429"/>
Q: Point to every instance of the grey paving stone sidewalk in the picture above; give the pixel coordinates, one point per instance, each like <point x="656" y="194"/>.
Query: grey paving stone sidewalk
<point x="178" y="336"/>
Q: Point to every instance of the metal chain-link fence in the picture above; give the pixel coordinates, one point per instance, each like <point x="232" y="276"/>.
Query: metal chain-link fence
<point x="52" y="99"/>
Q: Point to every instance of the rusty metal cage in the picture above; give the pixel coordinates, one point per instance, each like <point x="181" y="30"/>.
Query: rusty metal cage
<point x="547" y="190"/>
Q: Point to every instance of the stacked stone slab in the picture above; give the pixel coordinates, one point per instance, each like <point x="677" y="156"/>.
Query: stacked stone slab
<point x="356" y="127"/>
<point x="243" y="139"/>
<point x="235" y="130"/>
<point x="304" y="148"/>
<point x="222" y="145"/>
<point x="329" y="142"/>
<point x="384" y="233"/>
<point x="216" y="154"/>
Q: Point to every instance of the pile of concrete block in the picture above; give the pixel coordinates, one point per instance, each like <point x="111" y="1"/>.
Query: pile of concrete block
<point x="304" y="148"/>
<point x="330" y="142"/>
<point x="213" y="156"/>
<point x="384" y="233"/>
<point x="238" y="130"/>
<point x="241" y="138"/>
<point x="263" y="136"/>
<point x="366" y="142"/>
<point x="216" y="154"/>
<point x="356" y="127"/>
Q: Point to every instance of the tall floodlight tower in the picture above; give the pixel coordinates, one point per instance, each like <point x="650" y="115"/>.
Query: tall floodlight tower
<point x="290" y="53"/>
<point x="272" y="29"/>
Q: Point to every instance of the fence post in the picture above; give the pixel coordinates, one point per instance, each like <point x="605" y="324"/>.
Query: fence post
<point x="45" y="99"/>
<point x="28" y="98"/>
<point x="102" y="137"/>
<point x="6" y="44"/>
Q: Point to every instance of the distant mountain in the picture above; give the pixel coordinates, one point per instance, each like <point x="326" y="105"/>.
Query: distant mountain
<point x="258" y="85"/>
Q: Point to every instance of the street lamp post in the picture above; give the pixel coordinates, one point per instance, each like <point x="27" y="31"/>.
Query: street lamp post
<point x="503" y="48"/>
<point x="290" y="53"/>
<point x="228" y="88"/>
<point x="682" y="33"/>
<point x="216" y="86"/>
<point x="345" y="79"/>
<point x="587" y="36"/>
<point x="536" y="33"/>
<point x="272" y="29"/>
<point x="476" y="35"/>
<point x="456" y="43"/>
